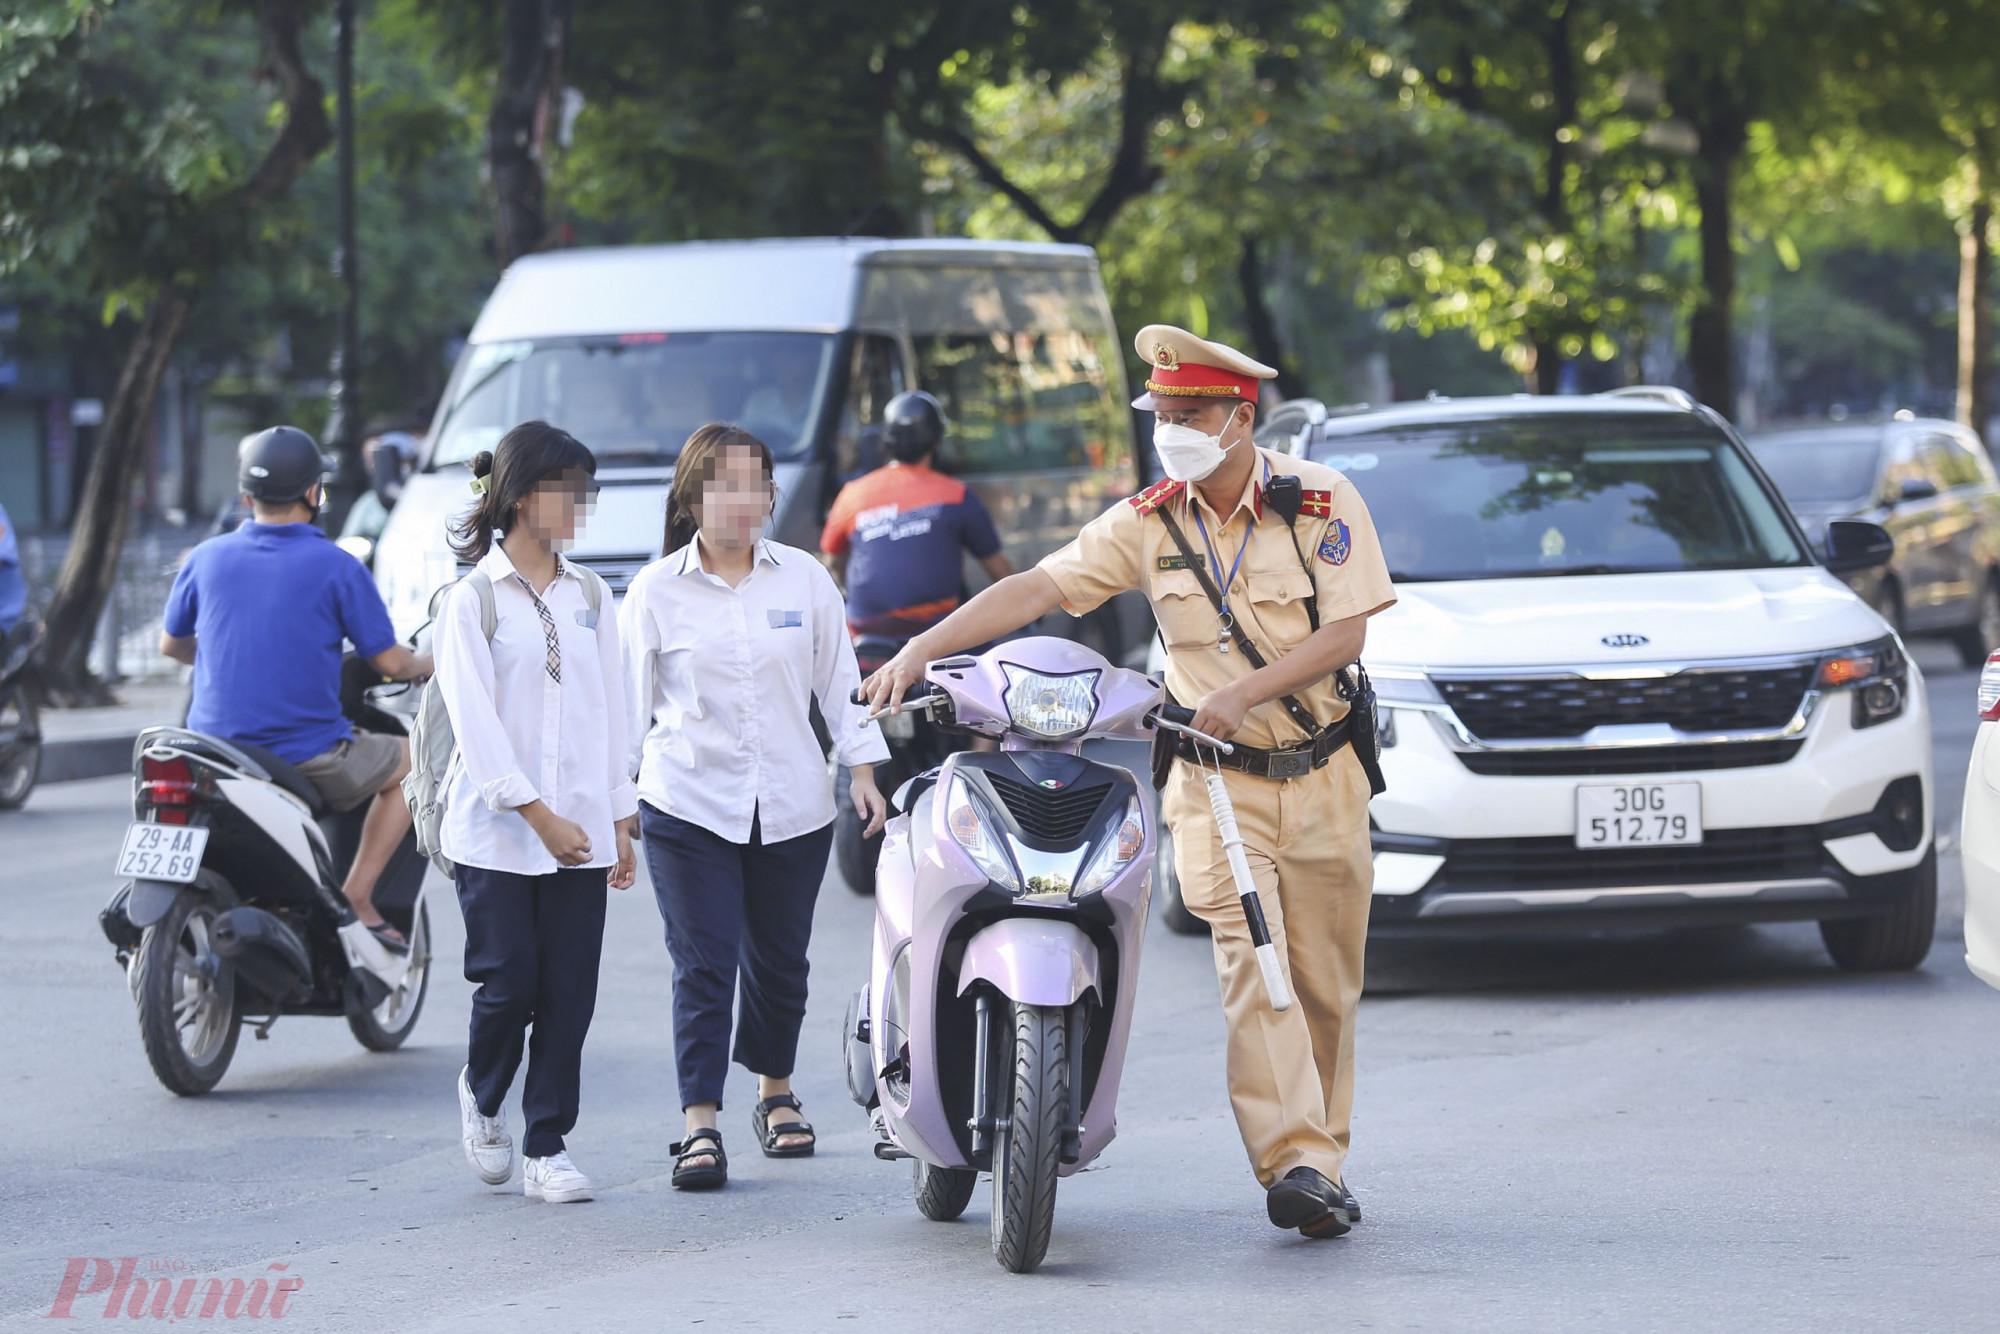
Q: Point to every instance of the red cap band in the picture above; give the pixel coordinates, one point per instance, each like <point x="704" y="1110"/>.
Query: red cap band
<point x="1193" y="380"/>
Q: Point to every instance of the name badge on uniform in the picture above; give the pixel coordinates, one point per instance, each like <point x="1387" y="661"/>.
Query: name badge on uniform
<point x="587" y="618"/>
<point x="1165" y="563"/>
<point x="785" y="620"/>
<point x="1337" y="545"/>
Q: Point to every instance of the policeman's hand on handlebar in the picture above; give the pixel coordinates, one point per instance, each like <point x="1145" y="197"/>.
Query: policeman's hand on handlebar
<point x="884" y="689"/>
<point x="1220" y="712"/>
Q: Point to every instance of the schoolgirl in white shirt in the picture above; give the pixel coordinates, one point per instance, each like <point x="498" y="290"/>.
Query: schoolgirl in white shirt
<point x="728" y="640"/>
<point x="538" y="797"/>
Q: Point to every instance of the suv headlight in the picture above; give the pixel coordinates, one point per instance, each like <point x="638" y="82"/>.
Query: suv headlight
<point x="1878" y="674"/>
<point x="1117" y="852"/>
<point x="1054" y="708"/>
<point x="975" y="830"/>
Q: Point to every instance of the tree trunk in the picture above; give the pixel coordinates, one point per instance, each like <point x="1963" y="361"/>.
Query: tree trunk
<point x="513" y="156"/>
<point x="1547" y="370"/>
<point x="1263" y="328"/>
<point x="1709" y="329"/>
<point x="90" y="569"/>
<point x="1975" y="318"/>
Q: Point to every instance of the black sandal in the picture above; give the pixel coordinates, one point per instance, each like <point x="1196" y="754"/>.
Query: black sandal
<point x="392" y="939"/>
<point x="700" y="1176"/>
<point x="769" y="1135"/>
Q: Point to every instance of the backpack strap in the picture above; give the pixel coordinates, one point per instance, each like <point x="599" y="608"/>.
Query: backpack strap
<point x="482" y="588"/>
<point x="593" y="586"/>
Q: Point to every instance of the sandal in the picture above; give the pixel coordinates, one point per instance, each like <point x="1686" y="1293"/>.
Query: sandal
<point x="769" y="1135"/>
<point x="390" y="937"/>
<point x="700" y="1176"/>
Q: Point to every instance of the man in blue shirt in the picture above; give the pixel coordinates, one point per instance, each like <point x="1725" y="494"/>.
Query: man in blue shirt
<point x="261" y="613"/>
<point x="13" y="589"/>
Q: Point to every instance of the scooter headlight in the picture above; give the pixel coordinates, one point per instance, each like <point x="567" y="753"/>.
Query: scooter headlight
<point x="1117" y="853"/>
<point x="974" y="829"/>
<point x="1054" y="708"/>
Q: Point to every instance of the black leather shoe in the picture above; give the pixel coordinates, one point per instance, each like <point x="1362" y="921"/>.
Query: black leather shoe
<point x="1306" y="1200"/>
<point x="1353" y="1205"/>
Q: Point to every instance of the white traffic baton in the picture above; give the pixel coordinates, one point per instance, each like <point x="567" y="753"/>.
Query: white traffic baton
<point x="1275" y="989"/>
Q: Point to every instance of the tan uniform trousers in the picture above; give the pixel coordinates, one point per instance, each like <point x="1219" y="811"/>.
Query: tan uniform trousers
<point x="1291" y="1075"/>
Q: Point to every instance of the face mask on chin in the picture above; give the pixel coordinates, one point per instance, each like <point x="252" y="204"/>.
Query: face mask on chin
<point x="1189" y="455"/>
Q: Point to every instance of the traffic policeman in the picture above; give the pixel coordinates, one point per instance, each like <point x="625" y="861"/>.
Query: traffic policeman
<point x="1294" y="568"/>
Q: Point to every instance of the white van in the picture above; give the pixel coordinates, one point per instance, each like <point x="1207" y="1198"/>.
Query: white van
<point x="802" y="342"/>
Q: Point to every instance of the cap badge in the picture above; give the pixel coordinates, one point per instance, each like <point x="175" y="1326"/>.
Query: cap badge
<point x="1165" y="357"/>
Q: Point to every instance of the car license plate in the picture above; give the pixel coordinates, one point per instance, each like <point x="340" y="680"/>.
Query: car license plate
<point x="162" y="852"/>
<point x="1637" y="815"/>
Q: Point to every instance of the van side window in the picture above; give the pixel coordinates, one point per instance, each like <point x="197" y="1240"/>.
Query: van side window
<point x="875" y="378"/>
<point x="1949" y="462"/>
<point x="1023" y="402"/>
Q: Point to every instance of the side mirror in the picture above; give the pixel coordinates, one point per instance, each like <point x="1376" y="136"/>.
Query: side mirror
<point x="385" y="473"/>
<point x="1854" y="545"/>
<point x="1916" y="488"/>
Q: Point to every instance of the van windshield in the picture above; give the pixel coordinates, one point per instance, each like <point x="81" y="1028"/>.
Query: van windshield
<point x="1573" y="495"/>
<point x="635" y="398"/>
<point x="1812" y="469"/>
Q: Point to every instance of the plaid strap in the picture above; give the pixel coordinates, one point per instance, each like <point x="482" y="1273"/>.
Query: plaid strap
<point x="554" y="661"/>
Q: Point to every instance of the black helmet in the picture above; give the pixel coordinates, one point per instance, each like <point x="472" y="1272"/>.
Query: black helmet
<point x="912" y="426"/>
<point x="278" y="465"/>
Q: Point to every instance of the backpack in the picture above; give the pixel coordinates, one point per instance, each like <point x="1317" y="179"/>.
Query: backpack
<point x="433" y="747"/>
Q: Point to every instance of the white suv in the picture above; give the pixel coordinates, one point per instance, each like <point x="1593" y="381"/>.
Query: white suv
<point x="1619" y="688"/>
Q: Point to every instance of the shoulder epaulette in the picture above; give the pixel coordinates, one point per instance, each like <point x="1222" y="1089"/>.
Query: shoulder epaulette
<point x="1316" y="504"/>
<point x="1156" y="495"/>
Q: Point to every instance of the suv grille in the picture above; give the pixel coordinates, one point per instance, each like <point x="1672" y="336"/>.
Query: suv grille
<point x="1557" y="863"/>
<point x="1057" y="817"/>
<point x="1758" y="700"/>
<point x="1632" y="760"/>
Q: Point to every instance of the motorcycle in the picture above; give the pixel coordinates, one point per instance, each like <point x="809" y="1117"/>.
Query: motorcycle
<point x="1010" y="906"/>
<point x="20" y="725"/>
<point x="232" y="913"/>
<point x="916" y="743"/>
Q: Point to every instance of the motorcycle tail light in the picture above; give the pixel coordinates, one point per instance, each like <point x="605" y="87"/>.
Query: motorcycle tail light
<point x="1989" y="690"/>
<point x="166" y="782"/>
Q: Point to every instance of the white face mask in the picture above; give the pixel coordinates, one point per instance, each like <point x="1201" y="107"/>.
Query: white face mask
<point x="1188" y="455"/>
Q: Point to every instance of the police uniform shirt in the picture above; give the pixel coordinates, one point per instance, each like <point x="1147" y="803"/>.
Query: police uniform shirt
<point x="1128" y="547"/>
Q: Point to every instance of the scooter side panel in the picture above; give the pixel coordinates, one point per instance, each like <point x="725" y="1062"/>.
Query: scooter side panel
<point x="1129" y="898"/>
<point x="1032" y="960"/>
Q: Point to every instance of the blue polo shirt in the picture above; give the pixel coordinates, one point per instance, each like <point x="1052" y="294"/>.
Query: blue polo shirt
<point x="13" y="589"/>
<point x="270" y="605"/>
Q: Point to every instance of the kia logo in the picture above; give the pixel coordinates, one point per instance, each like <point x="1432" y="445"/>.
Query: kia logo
<point x="1624" y="641"/>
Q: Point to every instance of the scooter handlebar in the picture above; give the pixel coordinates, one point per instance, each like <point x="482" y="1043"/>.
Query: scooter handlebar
<point x="1177" y="719"/>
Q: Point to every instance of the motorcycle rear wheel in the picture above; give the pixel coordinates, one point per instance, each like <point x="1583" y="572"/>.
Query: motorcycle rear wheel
<point x="20" y="763"/>
<point x="1026" y="1153"/>
<point x="386" y="1026"/>
<point x="942" y="1192"/>
<point x="186" y="994"/>
<point x="854" y="852"/>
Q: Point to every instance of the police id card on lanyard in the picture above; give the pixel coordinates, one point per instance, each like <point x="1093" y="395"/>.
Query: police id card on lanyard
<point x="1225" y="619"/>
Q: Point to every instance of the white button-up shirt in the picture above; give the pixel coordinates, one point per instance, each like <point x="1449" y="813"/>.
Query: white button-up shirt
<point x="720" y="681"/>
<point x="522" y="734"/>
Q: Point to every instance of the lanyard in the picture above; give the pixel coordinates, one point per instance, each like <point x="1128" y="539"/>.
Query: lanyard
<point x="1215" y="561"/>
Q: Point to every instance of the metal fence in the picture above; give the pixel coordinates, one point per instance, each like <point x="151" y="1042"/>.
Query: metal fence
<point x="127" y="647"/>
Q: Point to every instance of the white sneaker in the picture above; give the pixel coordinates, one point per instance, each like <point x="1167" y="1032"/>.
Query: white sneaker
<point x="554" y="1180"/>
<point x="488" y="1146"/>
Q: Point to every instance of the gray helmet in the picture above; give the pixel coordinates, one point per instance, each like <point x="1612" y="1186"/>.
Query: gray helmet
<point x="278" y="465"/>
<point x="912" y="426"/>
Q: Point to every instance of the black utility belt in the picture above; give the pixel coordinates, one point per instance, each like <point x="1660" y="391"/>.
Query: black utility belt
<point x="1292" y="762"/>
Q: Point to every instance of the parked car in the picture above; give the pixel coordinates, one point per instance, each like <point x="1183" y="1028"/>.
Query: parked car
<point x="1932" y="485"/>
<point x="1619" y="687"/>
<point x="802" y="342"/>
<point x="1979" y="835"/>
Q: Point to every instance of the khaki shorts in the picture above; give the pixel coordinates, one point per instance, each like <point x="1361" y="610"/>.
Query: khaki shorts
<point x="355" y="770"/>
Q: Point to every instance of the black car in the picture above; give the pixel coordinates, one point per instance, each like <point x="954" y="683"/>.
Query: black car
<point x="1932" y="485"/>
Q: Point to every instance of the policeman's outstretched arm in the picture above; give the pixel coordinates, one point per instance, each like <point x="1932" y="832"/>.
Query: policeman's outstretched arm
<point x="1324" y="652"/>
<point x="999" y="609"/>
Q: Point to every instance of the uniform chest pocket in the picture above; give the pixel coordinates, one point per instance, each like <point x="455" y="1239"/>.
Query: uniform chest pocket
<point x="1187" y="618"/>
<point x="1278" y="600"/>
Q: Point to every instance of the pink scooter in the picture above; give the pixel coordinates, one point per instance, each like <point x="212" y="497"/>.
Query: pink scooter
<point x="1010" y="904"/>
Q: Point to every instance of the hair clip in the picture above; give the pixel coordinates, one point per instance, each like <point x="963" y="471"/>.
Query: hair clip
<point x="479" y="486"/>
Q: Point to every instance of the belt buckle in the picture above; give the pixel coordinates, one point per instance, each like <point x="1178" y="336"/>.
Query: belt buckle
<point x="1289" y="764"/>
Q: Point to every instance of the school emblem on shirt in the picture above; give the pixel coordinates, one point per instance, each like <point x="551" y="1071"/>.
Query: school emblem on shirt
<point x="1337" y="545"/>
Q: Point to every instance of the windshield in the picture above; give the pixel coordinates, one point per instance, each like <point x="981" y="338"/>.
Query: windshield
<point x="1527" y="496"/>
<point x="1812" y="469"/>
<point x="635" y="398"/>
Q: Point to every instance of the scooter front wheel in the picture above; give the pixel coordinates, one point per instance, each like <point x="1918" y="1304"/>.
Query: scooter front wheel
<point x="1027" y="1152"/>
<point x="20" y="746"/>
<point x="942" y="1192"/>
<point x="186" y="994"/>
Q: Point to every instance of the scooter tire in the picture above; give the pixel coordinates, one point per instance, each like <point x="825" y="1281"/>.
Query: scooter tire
<point x="383" y="1028"/>
<point x="24" y="766"/>
<point x="942" y="1192"/>
<point x="855" y="852"/>
<point x="1027" y="1153"/>
<point x="167" y="972"/>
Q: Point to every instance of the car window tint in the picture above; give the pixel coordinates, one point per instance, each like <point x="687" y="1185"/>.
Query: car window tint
<point x="1949" y="463"/>
<point x="875" y="378"/>
<point x="1814" y="469"/>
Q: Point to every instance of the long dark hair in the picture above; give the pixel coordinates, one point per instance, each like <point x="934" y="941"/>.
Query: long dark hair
<point x="525" y="456"/>
<point x="700" y="457"/>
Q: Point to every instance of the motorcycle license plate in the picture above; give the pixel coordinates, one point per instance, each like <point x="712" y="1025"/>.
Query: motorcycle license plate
<point x="1638" y="815"/>
<point x="169" y="852"/>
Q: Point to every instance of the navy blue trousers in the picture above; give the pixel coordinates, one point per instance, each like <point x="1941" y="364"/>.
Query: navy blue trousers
<point x="730" y="908"/>
<point x="532" y="943"/>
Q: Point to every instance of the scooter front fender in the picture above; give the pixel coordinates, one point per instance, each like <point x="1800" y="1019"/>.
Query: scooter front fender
<point x="149" y="900"/>
<point x="1033" y="960"/>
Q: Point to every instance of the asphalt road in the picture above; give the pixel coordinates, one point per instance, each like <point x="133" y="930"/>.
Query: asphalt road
<point x="1707" y="1130"/>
